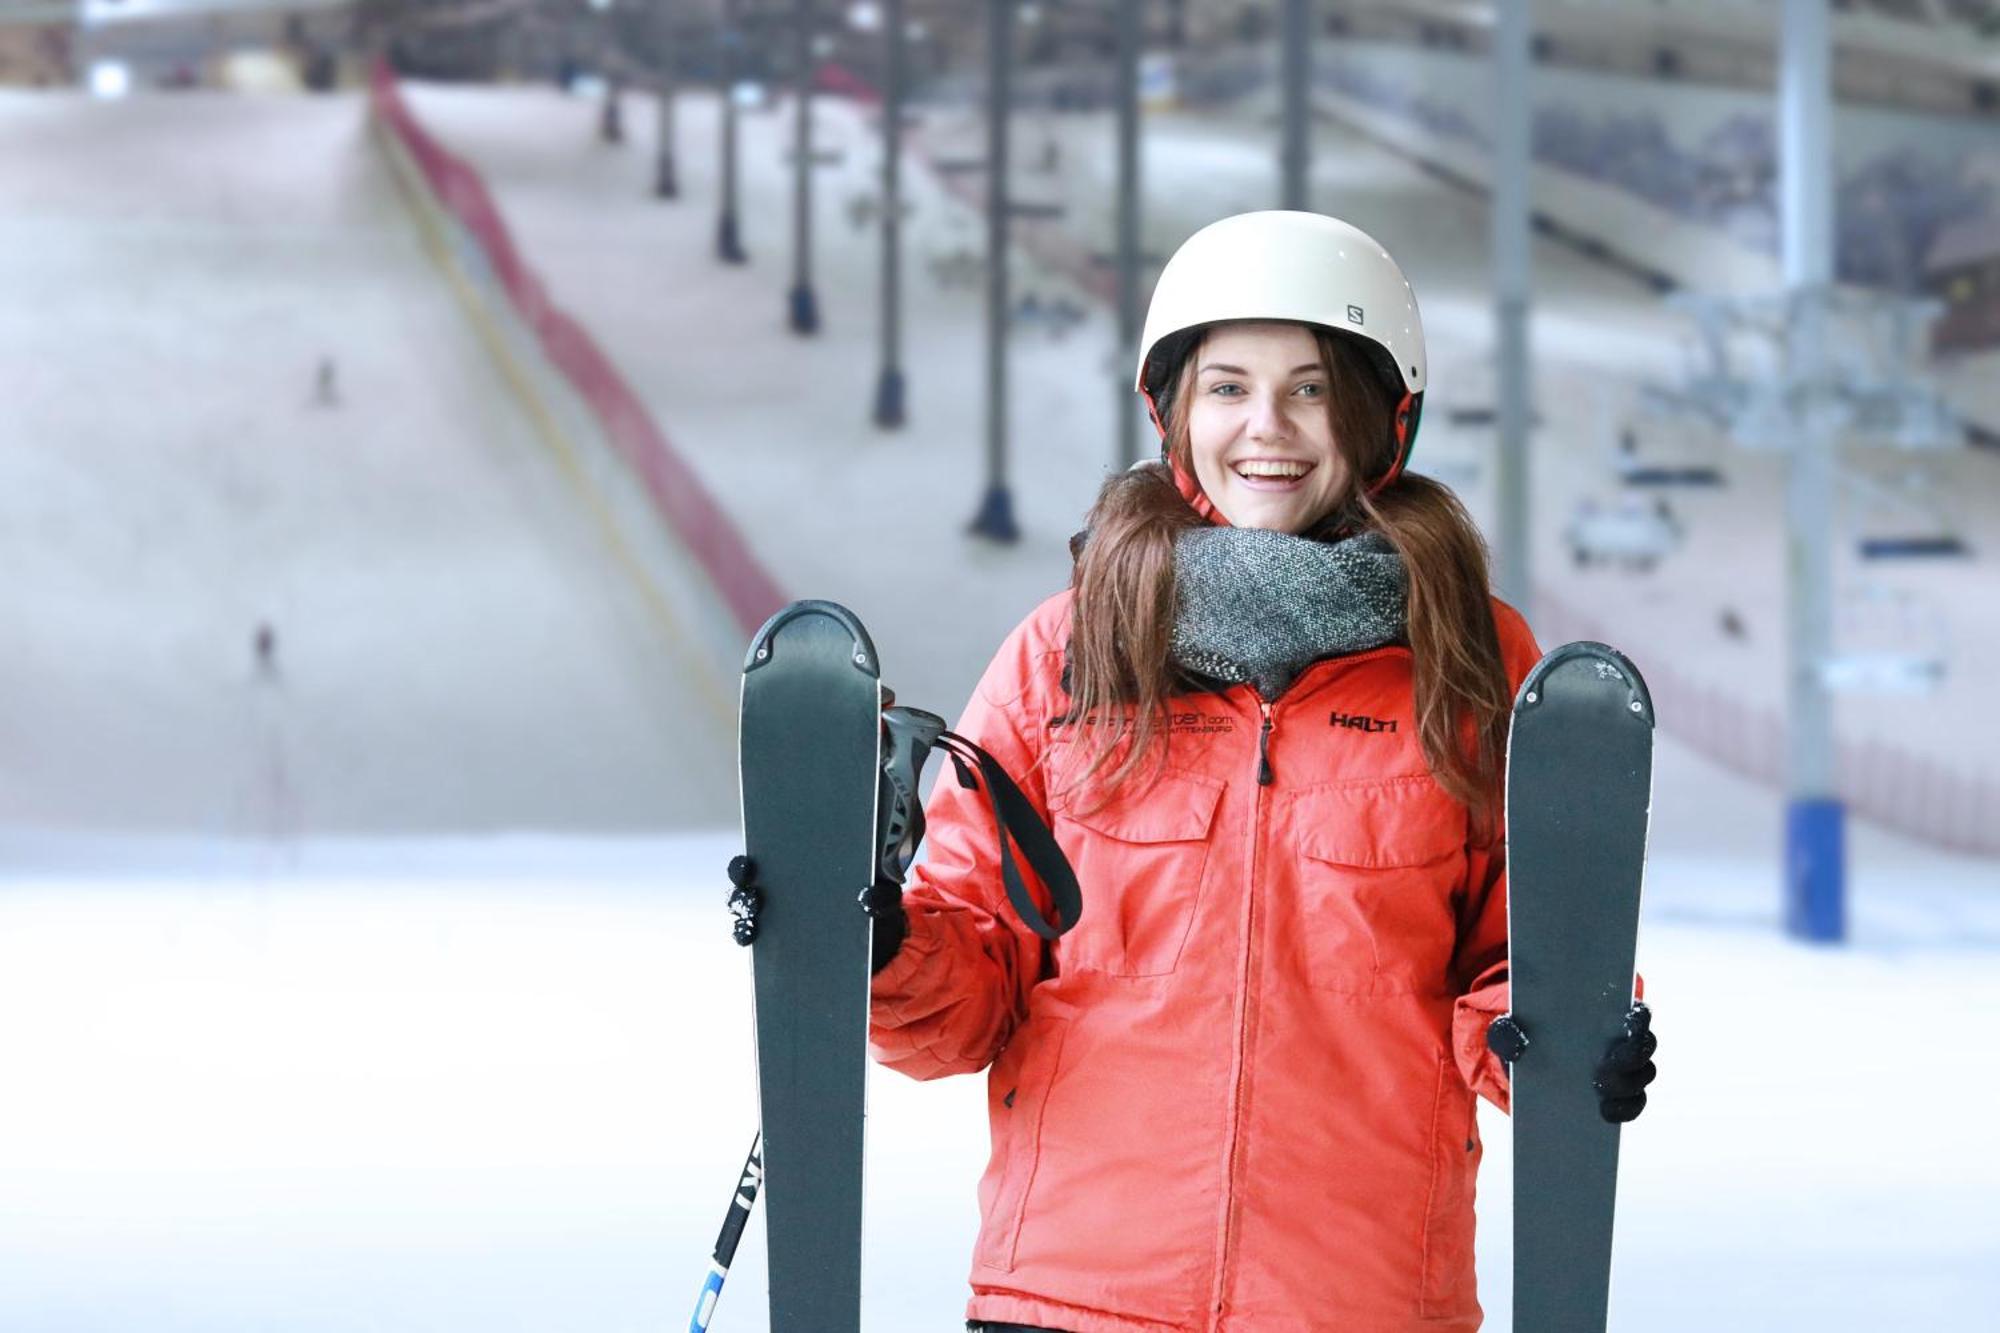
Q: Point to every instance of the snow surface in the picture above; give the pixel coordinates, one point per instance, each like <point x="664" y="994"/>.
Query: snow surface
<point x="455" y="649"/>
<point x="444" y="1082"/>
<point x="365" y="1095"/>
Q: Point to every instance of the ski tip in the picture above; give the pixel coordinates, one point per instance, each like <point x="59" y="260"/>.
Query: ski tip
<point x="763" y="644"/>
<point x="1590" y="661"/>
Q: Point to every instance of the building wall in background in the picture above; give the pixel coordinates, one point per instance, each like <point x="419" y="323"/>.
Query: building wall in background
<point x="1705" y="157"/>
<point x="35" y="57"/>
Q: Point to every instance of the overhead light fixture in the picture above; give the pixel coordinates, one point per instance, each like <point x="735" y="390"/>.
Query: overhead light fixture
<point x="110" y="78"/>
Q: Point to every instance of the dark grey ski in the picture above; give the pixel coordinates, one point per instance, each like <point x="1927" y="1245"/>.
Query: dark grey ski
<point x="1579" y="788"/>
<point x="810" y="744"/>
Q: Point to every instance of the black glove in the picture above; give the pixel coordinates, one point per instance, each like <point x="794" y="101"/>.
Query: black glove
<point x="1506" y="1039"/>
<point x="1621" y="1076"/>
<point x="1627" y="1067"/>
<point x="883" y="900"/>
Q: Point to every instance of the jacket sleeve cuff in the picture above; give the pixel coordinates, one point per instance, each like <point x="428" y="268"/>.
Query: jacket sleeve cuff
<point x="1475" y="1010"/>
<point x="917" y="1024"/>
<point x="894" y="983"/>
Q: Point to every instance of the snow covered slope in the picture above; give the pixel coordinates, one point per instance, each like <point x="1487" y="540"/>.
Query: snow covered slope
<point x="508" y="1085"/>
<point x="452" y="646"/>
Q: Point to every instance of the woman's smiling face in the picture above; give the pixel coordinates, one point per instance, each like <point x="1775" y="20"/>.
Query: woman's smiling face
<point x="1260" y="429"/>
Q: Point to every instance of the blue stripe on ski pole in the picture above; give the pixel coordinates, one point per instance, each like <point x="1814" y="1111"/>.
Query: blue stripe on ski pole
<point x="711" y="1292"/>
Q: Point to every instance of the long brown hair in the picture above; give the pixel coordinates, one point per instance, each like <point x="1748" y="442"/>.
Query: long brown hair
<point x="1122" y="617"/>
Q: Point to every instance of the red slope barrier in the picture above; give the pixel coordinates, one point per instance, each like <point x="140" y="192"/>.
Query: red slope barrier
<point x="672" y="486"/>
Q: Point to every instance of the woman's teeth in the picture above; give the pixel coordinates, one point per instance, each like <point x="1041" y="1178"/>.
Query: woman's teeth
<point x="1272" y="472"/>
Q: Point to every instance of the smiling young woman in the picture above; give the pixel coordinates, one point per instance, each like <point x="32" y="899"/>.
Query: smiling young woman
<point x="1238" y="1093"/>
<point x="1242" y="364"/>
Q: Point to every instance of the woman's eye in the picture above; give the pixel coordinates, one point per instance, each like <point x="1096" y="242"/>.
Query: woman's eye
<point x="1311" y="390"/>
<point x="1227" y="390"/>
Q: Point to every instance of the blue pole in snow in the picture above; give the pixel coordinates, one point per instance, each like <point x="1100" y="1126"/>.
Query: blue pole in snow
<point x="1815" y="851"/>
<point x="1815" y="865"/>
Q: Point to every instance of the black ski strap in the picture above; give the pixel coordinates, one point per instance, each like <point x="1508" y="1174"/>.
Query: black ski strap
<point x="1014" y="813"/>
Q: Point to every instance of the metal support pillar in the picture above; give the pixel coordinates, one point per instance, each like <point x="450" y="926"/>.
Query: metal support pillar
<point x="1815" y="852"/>
<point x="1295" y="61"/>
<point x="666" y="179"/>
<point x="995" y="519"/>
<point x="1511" y="281"/>
<point x="803" y="303"/>
<point x="728" y="238"/>
<point x="1130" y="21"/>
<point x="889" y="412"/>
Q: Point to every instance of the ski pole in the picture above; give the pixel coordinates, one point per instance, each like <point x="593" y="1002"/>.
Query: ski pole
<point x="732" y="1232"/>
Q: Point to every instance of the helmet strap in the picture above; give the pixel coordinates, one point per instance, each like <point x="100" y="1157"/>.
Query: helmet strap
<point x="1403" y="410"/>
<point x="1189" y="488"/>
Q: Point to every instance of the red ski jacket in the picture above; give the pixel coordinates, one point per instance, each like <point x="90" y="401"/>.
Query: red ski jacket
<point x="1239" y="1093"/>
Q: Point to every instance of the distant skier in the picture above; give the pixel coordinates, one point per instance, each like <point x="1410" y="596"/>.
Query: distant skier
<point x="326" y="383"/>
<point x="1267" y="725"/>
<point x="611" y="120"/>
<point x="1664" y="511"/>
<point x="273" y="802"/>
<point x="264" y="647"/>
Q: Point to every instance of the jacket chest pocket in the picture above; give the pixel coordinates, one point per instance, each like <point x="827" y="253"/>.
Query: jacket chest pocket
<point x="1140" y="860"/>
<point x="1377" y="869"/>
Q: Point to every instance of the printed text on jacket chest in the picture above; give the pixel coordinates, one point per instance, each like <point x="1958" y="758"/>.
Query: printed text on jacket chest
<point x="1201" y="724"/>
<point x="1181" y="724"/>
<point x="1362" y="722"/>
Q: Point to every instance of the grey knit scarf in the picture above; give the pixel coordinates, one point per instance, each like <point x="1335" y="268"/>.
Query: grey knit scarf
<point x="1261" y="606"/>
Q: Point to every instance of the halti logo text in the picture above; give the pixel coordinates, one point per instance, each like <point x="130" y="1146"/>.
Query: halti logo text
<point x="1356" y="722"/>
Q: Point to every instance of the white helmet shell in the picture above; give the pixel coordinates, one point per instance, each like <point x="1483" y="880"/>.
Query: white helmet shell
<point x="1284" y="265"/>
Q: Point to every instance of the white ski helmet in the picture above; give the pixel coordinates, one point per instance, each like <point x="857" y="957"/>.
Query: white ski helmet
<point x="1302" y="267"/>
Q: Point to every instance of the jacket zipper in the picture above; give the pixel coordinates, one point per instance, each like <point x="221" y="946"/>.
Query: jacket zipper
<point x="1264" y="748"/>
<point x="1264" y="779"/>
